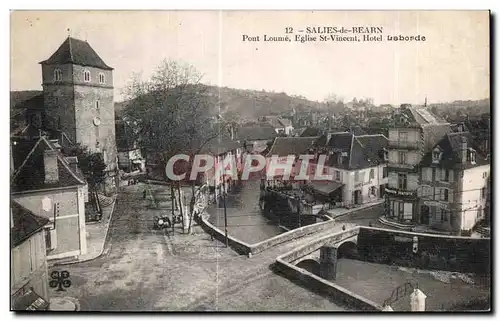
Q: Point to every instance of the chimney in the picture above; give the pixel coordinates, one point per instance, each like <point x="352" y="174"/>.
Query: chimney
<point x="50" y="166"/>
<point x="463" y="150"/>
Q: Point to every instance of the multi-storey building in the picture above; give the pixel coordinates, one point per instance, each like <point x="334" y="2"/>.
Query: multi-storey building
<point x="416" y="133"/>
<point x="358" y="166"/>
<point x="78" y="99"/>
<point x="51" y="186"/>
<point x="454" y="184"/>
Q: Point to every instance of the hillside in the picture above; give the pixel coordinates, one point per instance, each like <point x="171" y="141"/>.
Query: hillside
<point x="245" y="105"/>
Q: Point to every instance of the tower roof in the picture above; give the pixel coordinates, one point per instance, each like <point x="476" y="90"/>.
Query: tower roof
<point x="76" y="52"/>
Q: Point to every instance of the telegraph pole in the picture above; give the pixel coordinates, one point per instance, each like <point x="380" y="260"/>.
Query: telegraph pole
<point x="225" y="213"/>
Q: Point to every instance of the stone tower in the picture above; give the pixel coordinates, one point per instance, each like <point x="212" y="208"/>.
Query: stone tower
<point x="78" y="99"/>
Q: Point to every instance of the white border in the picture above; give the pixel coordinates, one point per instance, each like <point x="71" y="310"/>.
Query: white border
<point x="186" y="5"/>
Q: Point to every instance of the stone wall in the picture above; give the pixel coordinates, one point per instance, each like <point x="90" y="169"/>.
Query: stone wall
<point x="441" y="252"/>
<point x="285" y="266"/>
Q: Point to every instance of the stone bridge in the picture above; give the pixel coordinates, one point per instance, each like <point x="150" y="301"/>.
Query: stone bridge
<point x="321" y="257"/>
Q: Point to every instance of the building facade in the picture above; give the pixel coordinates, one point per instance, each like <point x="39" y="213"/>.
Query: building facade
<point x="416" y="132"/>
<point x="28" y="272"/>
<point x="454" y="185"/>
<point x="51" y="186"/>
<point x="358" y="163"/>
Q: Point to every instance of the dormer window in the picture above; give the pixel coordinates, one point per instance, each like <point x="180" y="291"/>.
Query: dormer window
<point x="86" y="76"/>
<point x="57" y="75"/>
<point x="436" y="155"/>
<point x="102" y="79"/>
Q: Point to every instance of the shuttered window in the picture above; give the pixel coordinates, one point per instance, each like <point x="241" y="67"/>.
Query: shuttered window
<point x="408" y="212"/>
<point x="427" y="174"/>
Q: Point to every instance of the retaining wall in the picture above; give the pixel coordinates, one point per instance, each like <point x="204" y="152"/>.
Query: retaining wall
<point x="440" y="252"/>
<point x="284" y="266"/>
<point x="251" y="249"/>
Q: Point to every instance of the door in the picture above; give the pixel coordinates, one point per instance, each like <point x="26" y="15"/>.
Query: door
<point x="382" y="191"/>
<point x="357" y="197"/>
<point x="424" y="214"/>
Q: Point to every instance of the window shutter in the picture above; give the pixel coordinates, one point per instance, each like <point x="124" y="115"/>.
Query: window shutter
<point x="450" y="195"/>
<point x="393" y="180"/>
<point x="426" y="192"/>
<point x="450" y="175"/>
<point x="441" y="190"/>
<point x="408" y="211"/>
<point x="427" y="174"/>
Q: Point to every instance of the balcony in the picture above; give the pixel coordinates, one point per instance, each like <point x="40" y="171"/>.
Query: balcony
<point x="400" y="166"/>
<point x="403" y="144"/>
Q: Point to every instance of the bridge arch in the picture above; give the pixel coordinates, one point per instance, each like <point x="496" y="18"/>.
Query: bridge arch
<point x="310" y="265"/>
<point x="347" y="250"/>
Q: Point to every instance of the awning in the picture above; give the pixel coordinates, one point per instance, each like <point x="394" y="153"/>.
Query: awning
<point x="325" y="188"/>
<point x="30" y="301"/>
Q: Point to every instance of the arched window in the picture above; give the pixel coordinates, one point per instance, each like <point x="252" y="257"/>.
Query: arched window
<point x="102" y="79"/>
<point x="57" y="75"/>
<point x="86" y="76"/>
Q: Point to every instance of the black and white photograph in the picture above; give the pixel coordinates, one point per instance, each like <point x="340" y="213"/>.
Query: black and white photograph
<point x="250" y="161"/>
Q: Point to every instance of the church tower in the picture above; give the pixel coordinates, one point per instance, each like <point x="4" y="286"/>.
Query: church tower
<point x="78" y="98"/>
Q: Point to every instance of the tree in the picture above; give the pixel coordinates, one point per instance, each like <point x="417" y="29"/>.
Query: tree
<point x="90" y="163"/>
<point x="171" y="114"/>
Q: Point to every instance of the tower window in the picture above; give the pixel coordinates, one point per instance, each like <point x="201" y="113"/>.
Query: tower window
<point x="57" y="75"/>
<point x="86" y="76"/>
<point x="102" y="79"/>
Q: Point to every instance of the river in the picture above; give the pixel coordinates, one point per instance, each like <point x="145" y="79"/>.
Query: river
<point x="244" y="218"/>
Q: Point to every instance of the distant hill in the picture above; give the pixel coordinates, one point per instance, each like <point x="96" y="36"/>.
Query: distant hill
<point x="22" y="95"/>
<point x="246" y="105"/>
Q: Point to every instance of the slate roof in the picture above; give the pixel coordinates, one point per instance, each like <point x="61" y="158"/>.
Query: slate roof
<point x="30" y="175"/>
<point x="215" y="147"/>
<point x="76" y="52"/>
<point x="360" y="151"/>
<point x="420" y="116"/>
<point x="451" y="147"/>
<point x="311" y="132"/>
<point x="25" y="224"/>
<point x="285" y="146"/>
<point x="256" y="132"/>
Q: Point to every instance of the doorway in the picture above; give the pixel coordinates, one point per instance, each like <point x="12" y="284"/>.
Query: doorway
<point x="424" y="214"/>
<point x="357" y="197"/>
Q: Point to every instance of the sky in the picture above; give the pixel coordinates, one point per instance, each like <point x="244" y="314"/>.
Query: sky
<point x="452" y="64"/>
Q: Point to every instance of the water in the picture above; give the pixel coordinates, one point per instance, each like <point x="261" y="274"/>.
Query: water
<point x="244" y="218"/>
<point x="377" y="281"/>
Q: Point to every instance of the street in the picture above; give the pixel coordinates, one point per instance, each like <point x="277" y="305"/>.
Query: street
<point x="146" y="270"/>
